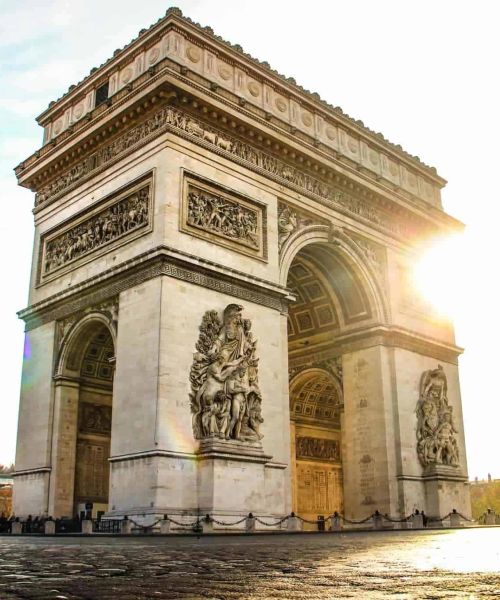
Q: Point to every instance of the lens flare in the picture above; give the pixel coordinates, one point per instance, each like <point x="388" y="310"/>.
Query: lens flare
<point x="438" y="274"/>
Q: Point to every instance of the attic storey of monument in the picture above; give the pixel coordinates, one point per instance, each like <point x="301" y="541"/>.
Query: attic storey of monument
<point x="220" y="300"/>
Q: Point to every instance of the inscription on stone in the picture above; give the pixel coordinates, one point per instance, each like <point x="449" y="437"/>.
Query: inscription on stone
<point x="118" y="217"/>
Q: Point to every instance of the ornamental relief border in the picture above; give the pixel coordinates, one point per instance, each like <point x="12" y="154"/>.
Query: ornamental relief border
<point x="181" y="123"/>
<point x="118" y="218"/>
<point x="222" y="216"/>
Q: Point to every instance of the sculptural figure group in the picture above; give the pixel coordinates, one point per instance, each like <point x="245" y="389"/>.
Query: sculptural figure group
<point x="215" y="213"/>
<point x="225" y="395"/>
<point x="436" y="441"/>
<point x="109" y="224"/>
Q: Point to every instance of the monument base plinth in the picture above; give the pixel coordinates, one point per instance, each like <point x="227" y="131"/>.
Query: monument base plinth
<point x="232" y="477"/>
<point x="445" y="491"/>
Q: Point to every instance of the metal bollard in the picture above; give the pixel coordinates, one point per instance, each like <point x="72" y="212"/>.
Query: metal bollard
<point x="336" y="523"/>
<point x="417" y="521"/>
<point x="86" y="526"/>
<point x="16" y="527"/>
<point x="207" y="524"/>
<point x="165" y="525"/>
<point x="126" y="526"/>
<point x="489" y="517"/>
<point x="50" y="527"/>
<point x="293" y="523"/>
<point x="378" y="520"/>
<point x="250" y="523"/>
<point x="321" y="523"/>
<point x="455" y="519"/>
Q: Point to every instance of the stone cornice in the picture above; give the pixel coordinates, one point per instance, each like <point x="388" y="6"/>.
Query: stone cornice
<point x="379" y="335"/>
<point x="365" y="157"/>
<point x="159" y="261"/>
<point x="319" y="185"/>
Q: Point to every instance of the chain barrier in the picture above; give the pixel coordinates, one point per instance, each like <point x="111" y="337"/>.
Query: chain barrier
<point x="38" y="526"/>
<point x="351" y="522"/>
<point x="315" y="522"/>
<point x="225" y="524"/>
<point x="145" y="527"/>
<point x="403" y="520"/>
<point x="179" y="524"/>
<point x="278" y="522"/>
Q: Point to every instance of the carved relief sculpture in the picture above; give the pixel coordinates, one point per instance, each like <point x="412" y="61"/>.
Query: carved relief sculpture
<point x="436" y="435"/>
<point x="309" y="447"/>
<point x="117" y="220"/>
<point x="173" y="119"/>
<point x="289" y="221"/>
<point x="225" y="395"/>
<point x="223" y="217"/>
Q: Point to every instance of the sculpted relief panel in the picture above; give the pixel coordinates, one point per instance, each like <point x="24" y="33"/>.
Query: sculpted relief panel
<point x="225" y="395"/>
<point x="173" y="119"/>
<point x="223" y="217"/>
<point x="310" y="447"/>
<point x="115" y="218"/>
<point x="436" y="435"/>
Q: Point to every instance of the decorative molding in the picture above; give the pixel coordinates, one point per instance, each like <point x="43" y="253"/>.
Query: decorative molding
<point x="34" y="471"/>
<point x="118" y="218"/>
<point x="317" y="448"/>
<point x="379" y="335"/>
<point x="172" y="119"/>
<point x="179" y="39"/>
<point x="373" y="253"/>
<point x="291" y="221"/>
<point x="225" y="396"/>
<point x="224" y="217"/>
<point x="332" y="365"/>
<point x="109" y="308"/>
<point x="158" y="261"/>
<point x="436" y="440"/>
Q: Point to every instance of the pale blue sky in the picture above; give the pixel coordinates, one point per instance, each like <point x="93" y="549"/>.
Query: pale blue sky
<point x="422" y="72"/>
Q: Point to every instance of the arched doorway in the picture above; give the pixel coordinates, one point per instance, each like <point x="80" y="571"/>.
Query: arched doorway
<point x="315" y="413"/>
<point x="335" y="299"/>
<point x="83" y="416"/>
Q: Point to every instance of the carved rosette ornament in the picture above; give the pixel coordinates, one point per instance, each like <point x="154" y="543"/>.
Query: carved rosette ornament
<point x="436" y="435"/>
<point x="225" y="395"/>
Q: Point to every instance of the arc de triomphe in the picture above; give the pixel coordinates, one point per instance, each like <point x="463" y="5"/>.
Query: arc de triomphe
<point x="221" y="316"/>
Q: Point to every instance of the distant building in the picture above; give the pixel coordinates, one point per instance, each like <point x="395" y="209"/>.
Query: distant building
<point x="6" y="483"/>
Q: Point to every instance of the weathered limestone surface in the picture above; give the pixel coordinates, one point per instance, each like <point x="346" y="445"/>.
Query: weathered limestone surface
<point x="206" y="184"/>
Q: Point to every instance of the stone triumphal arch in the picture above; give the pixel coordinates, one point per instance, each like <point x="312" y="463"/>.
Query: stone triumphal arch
<point x="221" y="317"/>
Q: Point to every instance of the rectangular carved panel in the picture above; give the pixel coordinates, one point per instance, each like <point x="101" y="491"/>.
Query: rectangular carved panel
<point x="223" y="217"/>
<point x="92" y="471"/>
<point x="309" y="447"/>
<point x="319" y="490"/>
<point x="94" y="418"/>
<point x="117" y="219"/>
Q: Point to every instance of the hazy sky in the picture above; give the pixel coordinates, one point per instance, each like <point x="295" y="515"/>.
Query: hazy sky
<point x="424" y="73"/>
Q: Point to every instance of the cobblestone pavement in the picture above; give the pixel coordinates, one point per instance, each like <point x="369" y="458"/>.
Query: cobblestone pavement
<point x="398" y="565"/>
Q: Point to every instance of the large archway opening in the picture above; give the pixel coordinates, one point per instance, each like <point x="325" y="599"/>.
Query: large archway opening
<point x="332" y="300"/>
<point x="84" y="404"/>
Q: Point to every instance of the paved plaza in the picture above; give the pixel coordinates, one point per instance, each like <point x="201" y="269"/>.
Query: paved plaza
<point x="399" y="565"/>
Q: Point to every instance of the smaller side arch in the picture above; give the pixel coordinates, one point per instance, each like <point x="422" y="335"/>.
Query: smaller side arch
<point x="71" y="351"/>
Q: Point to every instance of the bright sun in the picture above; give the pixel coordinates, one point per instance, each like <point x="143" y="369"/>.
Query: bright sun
<point x="437" y="274"/>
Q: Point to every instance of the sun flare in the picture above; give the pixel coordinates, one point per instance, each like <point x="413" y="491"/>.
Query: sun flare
<point x="437" y="275"/>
